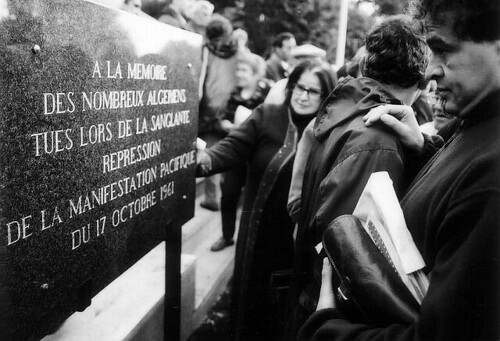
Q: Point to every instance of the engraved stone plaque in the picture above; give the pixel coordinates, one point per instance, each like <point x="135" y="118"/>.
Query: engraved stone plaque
<point x="98" y="123"/>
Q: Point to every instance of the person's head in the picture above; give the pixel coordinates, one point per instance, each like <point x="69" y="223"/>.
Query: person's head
<point x="439" y="117"/>
<point x="283" y="45"/>
<point x="218" y="28"/>
<point x="183" y="6"/>
<point x="464" y="37"/>
<point x="250" y="68"/>
<point x="396" y="53"/>
<point x="241" y="37"/>
<point x="132" y="6"/>
<point x="308" y="85"/>
<point x="201" y="12"/>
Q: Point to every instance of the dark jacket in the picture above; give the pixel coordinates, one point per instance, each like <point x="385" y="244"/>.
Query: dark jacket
<point x="267" y="141"/>
<point x="452" y="210"/>
<point x="345" y="154"/>
<point x="274" y="69"/>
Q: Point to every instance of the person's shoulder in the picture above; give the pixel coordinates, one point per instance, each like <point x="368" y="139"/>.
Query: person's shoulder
<point x="271" y="109"/>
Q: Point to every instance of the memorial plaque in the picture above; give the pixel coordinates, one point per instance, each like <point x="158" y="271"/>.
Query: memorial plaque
<point x="97" y="151"/>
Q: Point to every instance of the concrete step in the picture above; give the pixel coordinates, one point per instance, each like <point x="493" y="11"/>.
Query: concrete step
<point x="205" y="225"/>
<point x="131" y="308"/>
<point x="213" y="272"/>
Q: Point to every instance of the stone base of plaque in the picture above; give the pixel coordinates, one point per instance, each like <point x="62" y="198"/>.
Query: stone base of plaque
<point x="213" y="269"/>
<point x="131" y="307"/>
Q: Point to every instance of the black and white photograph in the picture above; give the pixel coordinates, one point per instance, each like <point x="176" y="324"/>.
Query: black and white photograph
<point x="249" y="170"/>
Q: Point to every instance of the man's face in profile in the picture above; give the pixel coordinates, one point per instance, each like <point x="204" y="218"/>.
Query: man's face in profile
<point x="465" y="71"/>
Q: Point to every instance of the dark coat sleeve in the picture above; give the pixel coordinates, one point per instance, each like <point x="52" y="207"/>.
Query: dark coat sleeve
<point x="463" y="301"/>
<point x="237" y="147"/>
<point x="339" y="192"/>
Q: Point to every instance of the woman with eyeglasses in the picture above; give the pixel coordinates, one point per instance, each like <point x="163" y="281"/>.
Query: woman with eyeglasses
<point x="267" y="142"/>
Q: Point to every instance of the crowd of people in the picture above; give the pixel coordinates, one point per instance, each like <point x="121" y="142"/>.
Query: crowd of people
<point x="419" y="101"/>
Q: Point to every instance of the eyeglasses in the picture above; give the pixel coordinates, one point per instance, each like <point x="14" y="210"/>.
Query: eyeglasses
<point x="435" y="100"/>
<point x="311" y="93"/>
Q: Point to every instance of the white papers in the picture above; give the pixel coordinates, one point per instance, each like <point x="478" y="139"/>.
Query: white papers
<point x="241" y="114"/>
<point x="379" y="206"/>
<point x="380" y="200"/>
<point x="200" y="144"/>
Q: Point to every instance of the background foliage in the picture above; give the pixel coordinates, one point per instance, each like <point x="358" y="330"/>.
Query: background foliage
<point x="311" y="21"/>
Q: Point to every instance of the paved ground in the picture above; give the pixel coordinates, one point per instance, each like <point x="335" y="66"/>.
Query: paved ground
<point x="216" y="325"/>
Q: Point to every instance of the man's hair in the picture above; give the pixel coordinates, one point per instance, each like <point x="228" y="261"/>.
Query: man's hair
<point x="322" y="70"/>
<point x="475" y="20"/>
<point x="396" y="52"/>
<point x="280" y="38"/>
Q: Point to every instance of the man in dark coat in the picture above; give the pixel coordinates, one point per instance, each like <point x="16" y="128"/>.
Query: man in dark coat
<point x="277" y="65"/>
<point x="345" y="152"/>
<point x="452" y="208"/>
<point x="266" y="140"/>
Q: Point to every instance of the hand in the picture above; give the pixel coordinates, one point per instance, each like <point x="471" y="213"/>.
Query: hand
<point x="204" y="163"/>
<point x="326" y="295"/>
<point x="401" y="119"/>
<point x="199" y="156"/>
<point x="200" y="149"/>
<point x="227" y="125"/>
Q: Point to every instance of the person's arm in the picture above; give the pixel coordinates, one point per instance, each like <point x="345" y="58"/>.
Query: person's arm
<point x="402" y="121"/>
<point x="235" y="149"/>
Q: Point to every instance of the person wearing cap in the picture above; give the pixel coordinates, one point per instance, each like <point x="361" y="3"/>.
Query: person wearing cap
<point x="307" y="51"/>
